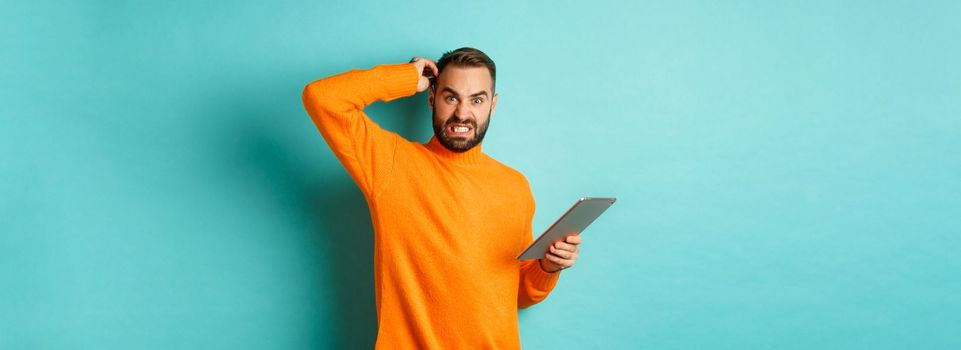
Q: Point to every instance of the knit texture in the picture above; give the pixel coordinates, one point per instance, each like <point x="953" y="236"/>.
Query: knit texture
<point x="447" y="226"/>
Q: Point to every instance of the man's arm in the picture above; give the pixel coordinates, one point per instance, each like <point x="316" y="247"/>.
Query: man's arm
<point x="336" y="104"/>
<point x="538" y="277"/>
<point x="535" y="282"/>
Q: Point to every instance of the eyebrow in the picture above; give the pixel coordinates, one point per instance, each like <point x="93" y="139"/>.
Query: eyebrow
<point x="448" y="89"/>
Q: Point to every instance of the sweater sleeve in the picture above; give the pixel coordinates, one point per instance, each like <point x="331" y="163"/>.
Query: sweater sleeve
<point x="535" y="283"/>
<point x="336" y="103"/>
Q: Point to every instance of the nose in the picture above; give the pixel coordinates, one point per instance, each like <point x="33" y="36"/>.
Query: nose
<point x="462" y="110"/>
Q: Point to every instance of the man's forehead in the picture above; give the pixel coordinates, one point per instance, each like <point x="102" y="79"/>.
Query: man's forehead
<point x="465" y="80"/>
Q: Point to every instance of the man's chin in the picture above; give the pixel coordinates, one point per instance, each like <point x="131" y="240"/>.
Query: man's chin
<point x="458" y="144"/>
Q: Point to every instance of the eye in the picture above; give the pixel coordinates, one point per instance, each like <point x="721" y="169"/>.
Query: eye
<point x="478" y="101"/>
<point x="451" y="99"/>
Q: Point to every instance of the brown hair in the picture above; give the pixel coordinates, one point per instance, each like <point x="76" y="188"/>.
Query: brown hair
<point x="468" y="57"/>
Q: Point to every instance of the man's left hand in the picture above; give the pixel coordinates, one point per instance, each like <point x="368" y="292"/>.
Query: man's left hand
<point x="561" y="254"/>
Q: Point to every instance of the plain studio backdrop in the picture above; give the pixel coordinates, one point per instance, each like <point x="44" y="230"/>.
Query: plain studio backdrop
<point x="787" y="173"/>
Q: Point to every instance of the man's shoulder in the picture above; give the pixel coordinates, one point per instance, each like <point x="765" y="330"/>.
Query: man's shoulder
<point x="509" y="171"/>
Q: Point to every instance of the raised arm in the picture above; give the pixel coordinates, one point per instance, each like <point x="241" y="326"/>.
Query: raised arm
<point x="336" y="104"/>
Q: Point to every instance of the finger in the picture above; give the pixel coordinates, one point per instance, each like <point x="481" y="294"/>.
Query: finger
<point x="563" y="253"/>
<point x="418" y="64"/>
<point x="558" y="260"/>
<point x="564" y="246"/>
<point x="424" y="68"/>
<point x="562" y="263"/>
<point x="574" y="239"/>
<point x="433" y="66"/>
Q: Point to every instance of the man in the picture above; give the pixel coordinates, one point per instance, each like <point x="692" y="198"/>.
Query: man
<point x="448" y="220"/>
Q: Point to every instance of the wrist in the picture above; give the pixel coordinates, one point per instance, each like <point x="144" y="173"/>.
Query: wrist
<point x="544" y="266"/>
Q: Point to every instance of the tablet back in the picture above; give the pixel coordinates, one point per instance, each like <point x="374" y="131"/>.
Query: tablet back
<point x="574" y="221"/>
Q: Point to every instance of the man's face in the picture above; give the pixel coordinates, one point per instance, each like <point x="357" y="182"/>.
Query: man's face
<point x="462" y="101"/>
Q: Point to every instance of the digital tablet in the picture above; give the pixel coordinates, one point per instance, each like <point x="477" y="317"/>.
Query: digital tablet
<point x="573" y="222"/>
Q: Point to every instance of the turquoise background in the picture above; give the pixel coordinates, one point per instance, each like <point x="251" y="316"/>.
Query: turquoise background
<point x="787" y="172"/>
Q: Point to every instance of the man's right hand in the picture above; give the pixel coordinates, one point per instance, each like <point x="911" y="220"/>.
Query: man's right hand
<point x="427" y="69"/>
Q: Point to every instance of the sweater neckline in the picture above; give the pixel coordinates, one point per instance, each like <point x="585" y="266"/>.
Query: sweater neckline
<point x="472" y="156"/>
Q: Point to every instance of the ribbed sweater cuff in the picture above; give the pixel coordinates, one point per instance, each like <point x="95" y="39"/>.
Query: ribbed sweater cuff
<point x="542" y="278"/>
<point x="400" y="80"/>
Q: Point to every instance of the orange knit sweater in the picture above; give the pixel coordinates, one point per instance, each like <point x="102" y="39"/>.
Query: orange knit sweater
<point x="447" y="226"/>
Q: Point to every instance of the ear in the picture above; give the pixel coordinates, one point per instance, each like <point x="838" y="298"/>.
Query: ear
<point x="430" y="97"/>
<point x="494" y="104"/>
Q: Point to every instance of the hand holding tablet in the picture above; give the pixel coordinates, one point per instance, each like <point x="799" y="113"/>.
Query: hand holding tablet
<point x="573" y="222"/>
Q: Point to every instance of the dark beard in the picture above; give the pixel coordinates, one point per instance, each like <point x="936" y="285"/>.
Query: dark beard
<point x="459" y="144"/>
